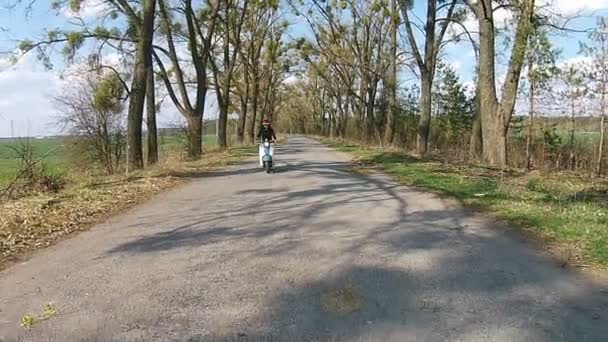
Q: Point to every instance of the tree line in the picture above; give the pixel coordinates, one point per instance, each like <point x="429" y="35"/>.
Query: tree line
<point x="360" y="49"/>
<point x="346" y="76"/>
<point x="180" y="51"/>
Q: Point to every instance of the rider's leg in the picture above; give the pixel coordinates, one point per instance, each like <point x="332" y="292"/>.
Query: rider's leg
<point x="261" y="153"/>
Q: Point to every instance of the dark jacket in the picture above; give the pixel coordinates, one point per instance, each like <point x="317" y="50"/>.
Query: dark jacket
<point x="266" y="133"/>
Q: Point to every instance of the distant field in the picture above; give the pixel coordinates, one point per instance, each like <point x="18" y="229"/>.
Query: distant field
<point x="9" y="160"/>
<point x="56" y="162"/>
<point x="580" y="138"/>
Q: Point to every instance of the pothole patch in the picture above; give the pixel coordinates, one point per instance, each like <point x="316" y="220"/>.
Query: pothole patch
<point x="343" y="300"/>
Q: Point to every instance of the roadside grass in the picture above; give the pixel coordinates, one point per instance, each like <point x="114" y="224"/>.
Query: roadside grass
<point x="40" y="220"/>
<point x="567" y="213"/>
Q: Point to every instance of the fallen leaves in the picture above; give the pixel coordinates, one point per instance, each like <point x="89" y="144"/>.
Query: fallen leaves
<point x="36" y="221"/>
<point x="40" y="220"/>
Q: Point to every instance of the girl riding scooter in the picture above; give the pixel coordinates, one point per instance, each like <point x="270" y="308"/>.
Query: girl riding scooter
<point x="266" y="133"/>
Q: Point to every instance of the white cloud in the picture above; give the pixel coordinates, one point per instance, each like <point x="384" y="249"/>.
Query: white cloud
<point x="564" y="7"/>
<point x="574" y="61"/>
<point x="575" y="6"/>
<point x="27" y="90"/>
<point x="501" y="16"/>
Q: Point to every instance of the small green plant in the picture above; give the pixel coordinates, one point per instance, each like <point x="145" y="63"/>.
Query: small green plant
<point x="553" y="140"/>
<point x="534" y="185"/>
<point x="48" y="311"/>
<point x="27" y="321"/>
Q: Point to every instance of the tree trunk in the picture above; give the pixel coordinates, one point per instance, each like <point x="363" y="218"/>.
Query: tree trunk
<point x="527" y="166"/>
<point x="369" y="116"/>
<point x="240" y="130"/>
<point x="600" y="156"/>
<point x="497" y="117"/>
<point x="476" y="145"/>
<point x="486" y="82"/>
<point x="424" y="124"/>
<point x="572" y="138"/>
<point x="389" y="131"/>
<point x="151" y="119"/>
<point x="222" y="140"/>
<point x="224" y="97"/>
<point x="254" y="105"/>
<point x="143" y="63"/>
<point x="195" y="136"/>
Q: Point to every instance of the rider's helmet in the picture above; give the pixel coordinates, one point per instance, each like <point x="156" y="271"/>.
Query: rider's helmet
<point x="266" y="122"/>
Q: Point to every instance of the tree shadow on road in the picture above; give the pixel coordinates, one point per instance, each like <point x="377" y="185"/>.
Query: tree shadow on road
<point x="416" y="275"/>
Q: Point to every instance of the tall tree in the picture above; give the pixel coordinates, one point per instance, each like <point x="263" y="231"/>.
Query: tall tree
<point x="454" y="107"/>
<point x="232" y="16"/>
<point x="575" y="90"/>
<point x="496" y="115"/>
<point x="597" y="50"/>
<point x="138" y="31"/>
<point x="433" y="39"/>
<point x="151" y="119"/>
<point x="255" y="31"/>
<point x="355" y="52"/>
<point x="199" y="32"/>
<point x="389" y="131"/>
<point x="476" y="143"/>
<point x="143" y="66"/>
<point x="273" y="71"/>
<point x="541" y="59"/>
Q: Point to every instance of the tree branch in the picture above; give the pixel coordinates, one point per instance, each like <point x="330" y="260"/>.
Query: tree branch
<point x="410" y="34"/>
<point x="163" y="74"/>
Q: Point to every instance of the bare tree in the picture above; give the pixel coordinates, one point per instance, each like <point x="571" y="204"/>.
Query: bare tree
<point x="91" y="111"/>
<point x="541" y="59"/>
<point x="427" y="63"/>
<point x="255" y="31"/>
<point x="199" y="32"/>
<point x="233" y="15"/>
<point x="389" y="131"/>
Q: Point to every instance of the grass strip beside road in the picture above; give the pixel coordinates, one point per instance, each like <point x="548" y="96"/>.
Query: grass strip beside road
<point x="569" y="214"/>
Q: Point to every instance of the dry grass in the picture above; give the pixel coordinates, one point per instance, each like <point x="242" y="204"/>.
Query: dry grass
<point x="40" y="220"/>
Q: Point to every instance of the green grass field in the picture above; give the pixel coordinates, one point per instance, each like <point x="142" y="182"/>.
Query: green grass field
<point x="56" y="162"/>
<point x="9" y="161"/>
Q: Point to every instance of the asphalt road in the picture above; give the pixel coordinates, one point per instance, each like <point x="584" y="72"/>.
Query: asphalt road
<point x="313" y="252"/>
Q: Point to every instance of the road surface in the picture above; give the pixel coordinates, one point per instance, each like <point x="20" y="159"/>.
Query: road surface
<point x="314" y="252"/>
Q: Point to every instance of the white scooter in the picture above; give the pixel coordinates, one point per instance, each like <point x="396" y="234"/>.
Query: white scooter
<point x="266" y="155"/>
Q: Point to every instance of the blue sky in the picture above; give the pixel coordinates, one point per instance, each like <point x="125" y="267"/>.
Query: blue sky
<point x="27" y="88"/>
